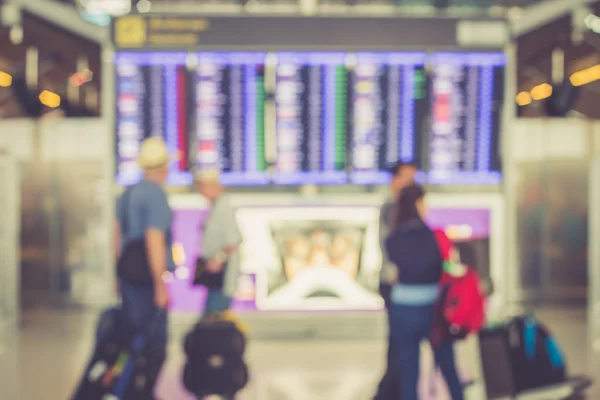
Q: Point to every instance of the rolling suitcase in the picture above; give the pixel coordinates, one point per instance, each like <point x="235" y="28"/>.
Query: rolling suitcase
<point x="215" y="336"/>
<point x="215" y="376"/>
<point x="521" y="360"/>
<point x="215" y="357"/>
<point x="123" y="365"/>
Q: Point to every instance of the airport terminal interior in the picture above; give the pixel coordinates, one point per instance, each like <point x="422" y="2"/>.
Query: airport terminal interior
<point x="302" y="112"/>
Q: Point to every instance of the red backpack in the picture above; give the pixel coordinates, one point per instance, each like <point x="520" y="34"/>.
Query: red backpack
<point x="460" y="309"/>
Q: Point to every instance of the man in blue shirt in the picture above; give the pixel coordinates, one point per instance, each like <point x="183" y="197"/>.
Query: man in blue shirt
<point x="143" y="212"/>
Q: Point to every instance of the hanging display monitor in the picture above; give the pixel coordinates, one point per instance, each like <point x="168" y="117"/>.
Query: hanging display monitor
<point x="149" y="89"/>
<point x="466" y="98"/>
<point x="228" y="120"/>
<point x="388" y="107"/>
<point x="311" y="107"/>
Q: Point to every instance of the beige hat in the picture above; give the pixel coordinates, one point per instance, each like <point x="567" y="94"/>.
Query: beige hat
<point x="153" y="154"/>
<point x="208" y="176"/>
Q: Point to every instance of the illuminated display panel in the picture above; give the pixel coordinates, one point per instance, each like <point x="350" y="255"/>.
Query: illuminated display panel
<point x="229" y="116"/>
<point x="335" y="112"/>
<point x="211" y="117"/>
<point x="466" y="98"/>
<point x="311" y="107"/>
<point x="300" y="258"/>
<point x="388" y="107"/>
<point x="148" y="86"/>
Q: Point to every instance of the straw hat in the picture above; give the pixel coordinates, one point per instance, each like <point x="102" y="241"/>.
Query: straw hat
<point x="208" y="176"/>
<point x="153" y="154"/>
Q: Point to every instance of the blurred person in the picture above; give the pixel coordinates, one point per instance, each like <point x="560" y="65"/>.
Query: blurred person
<point x="144" y="217"/>
<point x="413" y="249"/>
<point x="221" y="239"/>
<point x="403" y="174"/>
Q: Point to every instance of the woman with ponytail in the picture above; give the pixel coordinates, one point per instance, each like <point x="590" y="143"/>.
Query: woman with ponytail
<point x="413" y="248"/>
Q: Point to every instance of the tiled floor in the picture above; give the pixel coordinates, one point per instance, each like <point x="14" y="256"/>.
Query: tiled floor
<point x="42" y="360"/>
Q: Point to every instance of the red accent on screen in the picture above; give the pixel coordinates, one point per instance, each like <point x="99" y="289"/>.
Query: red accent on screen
<point x="182" y="121"/>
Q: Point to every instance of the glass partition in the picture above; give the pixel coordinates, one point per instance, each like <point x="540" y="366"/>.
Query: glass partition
<point x="553" y="229"/>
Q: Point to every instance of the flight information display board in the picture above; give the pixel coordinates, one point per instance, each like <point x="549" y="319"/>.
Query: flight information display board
<point x="466" y="98"/>
<point x="229" y="117"/>
<point x="311" y="108"/>
<point x="338" y="117"/>
<point x="147" y="92"/>
<point x="388" y="107"/>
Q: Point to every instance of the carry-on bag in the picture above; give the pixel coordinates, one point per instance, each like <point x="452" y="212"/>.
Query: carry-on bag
<point x="124" y="365"/>
<point x="215" y="375"/>
<point x="215" y="336"/>
<point x="521" y="358"/>
<point x="215" y="357"/>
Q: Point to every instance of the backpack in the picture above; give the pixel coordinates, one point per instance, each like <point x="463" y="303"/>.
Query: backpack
<point x="460" y="309"/>
<point x="521" y="355"/>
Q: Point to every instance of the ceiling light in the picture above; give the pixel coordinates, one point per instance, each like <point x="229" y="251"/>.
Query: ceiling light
<point x="541" y="92"/>
<point x="523" y="99"/>
<point x="5" y="79"/>
<point x="49" y="99"/>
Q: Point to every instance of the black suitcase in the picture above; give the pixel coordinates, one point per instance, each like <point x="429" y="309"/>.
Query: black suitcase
<point x="522" y="357"/>
<point x="123" y="365"/>
<point x="215" y="376"/>
<point x="215" y="336"/>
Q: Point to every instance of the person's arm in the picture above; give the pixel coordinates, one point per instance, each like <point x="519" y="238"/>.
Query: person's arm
<point x="158" y="217"/>
<point x="156" y="248"/>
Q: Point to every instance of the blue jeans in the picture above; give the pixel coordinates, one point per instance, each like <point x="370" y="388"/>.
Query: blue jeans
<point x="140" y="314"/>
<point x="216" y="302"/>
<point x="411" y="325"/>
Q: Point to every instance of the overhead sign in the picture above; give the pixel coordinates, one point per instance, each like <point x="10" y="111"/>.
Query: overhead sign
<point x="183" y="32"/>
<point x="137" y="31"/>
<point x="115" y="8"/>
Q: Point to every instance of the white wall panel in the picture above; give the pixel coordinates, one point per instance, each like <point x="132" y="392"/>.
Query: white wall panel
<point x="76" y="139"/>
<point x="543" y="139"/>
<point x="66" y="139"/>
<point x="15" y="137"/>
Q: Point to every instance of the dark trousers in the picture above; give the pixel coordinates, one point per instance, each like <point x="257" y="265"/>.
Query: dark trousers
<point x="389" y="386"/>
<point x="140" y="314"/>
<point x="410" y="326"/>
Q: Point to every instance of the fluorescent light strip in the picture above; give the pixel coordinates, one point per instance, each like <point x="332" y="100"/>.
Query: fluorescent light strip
<point x="172" y="123"/>
<point x="485" y="117"/>
<point x="329" y="117"/>
<point x="151" y="58"/>
<point x="408" y="113"/>
<point x="158" y="92"/>
<point x="250" y="118"/>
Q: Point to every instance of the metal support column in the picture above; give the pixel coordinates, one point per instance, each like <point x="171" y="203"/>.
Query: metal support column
<point x="108" y="111"/>
<point x="10" y="266"/>
<point x="509" y="286"/>
<point x="594" y="273"/>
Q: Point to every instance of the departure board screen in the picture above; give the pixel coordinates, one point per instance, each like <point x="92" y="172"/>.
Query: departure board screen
<point x="388" y="107"/>
<point x="311" y="107"/>
<point x="229" y="116"/>
<point x="147" y="91"/>
<point x="466" y="98"/>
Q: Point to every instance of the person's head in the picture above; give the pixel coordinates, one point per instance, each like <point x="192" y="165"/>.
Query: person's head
<point x="209" y="184"/>
<point x="410" y="205"/>
<point x="403" y="174"/>
<point x="154" y="160"/>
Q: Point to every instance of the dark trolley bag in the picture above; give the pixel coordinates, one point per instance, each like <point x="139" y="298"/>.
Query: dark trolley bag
<point x="522" y="358"/>
<point x="124" y="366"/>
